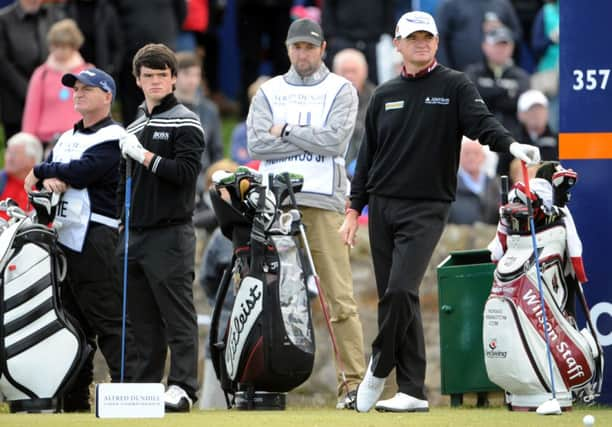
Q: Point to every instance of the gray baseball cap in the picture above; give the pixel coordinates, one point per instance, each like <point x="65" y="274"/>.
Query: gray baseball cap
<point x="305" y="30"/>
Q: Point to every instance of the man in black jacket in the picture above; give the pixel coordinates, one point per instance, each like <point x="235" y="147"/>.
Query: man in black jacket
<point x="407" y="174"/>
<point x="357" y="24"/>
<point x="23" y="47"/>
<point x="144" y="21"/>
<point x="166" y="143"/>
<point x="498" y="80"/>
<point x="104" y="43"/>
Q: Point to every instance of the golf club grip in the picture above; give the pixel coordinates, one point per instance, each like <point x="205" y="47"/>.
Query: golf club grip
<point x="128" y="168"/>
<point x="526" y="177"/>
<point x="287" y="179"/>
<point x="504" y="189"/>
<point x="527" y="189"/>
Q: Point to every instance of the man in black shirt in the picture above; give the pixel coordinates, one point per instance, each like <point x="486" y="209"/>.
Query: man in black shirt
<point x="407" y="174"/>
<point x="166" y="143"/>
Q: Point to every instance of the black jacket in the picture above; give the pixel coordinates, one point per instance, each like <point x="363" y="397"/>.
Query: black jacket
<point x="460" y="26"/>
<point x="23" y="47"/>
<point x="500" y="93"/>
<point x="150" y="21"/>
<point x="364" y="20"/>
<point x="413" y="137"/>
<point x="164" y="193"/>
<point x="104" y="39"/>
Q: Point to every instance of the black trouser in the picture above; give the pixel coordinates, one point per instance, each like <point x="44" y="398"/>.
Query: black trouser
<point x="403" y="235"/>
<point x="92" y="294"/>
<point x="160" y="304"/>
<point x="255" y="21"/>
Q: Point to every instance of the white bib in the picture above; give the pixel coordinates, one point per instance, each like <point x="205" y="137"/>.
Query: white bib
<point x="304" y="106"/>
<point x="74" y="210"/>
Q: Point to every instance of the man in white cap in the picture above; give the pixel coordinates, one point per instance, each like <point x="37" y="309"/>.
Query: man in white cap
<point x="532" y="111"/>
<point x="302" y="122"/>
<point x="407" y="174"/>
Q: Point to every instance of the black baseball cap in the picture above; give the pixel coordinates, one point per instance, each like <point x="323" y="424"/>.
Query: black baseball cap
<point x="305" y="30"/>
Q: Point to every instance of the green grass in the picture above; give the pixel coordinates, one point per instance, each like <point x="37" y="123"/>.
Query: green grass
<point x="312" y="417"/>
<point x="227" y="125"/>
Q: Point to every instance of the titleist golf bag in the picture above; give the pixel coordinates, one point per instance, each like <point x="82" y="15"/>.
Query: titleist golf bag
<point x="516" y="356"/>
<point x="266" y="347"/>
<point x="40" y="348"/>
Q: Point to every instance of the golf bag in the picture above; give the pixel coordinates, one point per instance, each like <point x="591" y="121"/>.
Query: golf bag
<point x="266" y="347"/>
<point x="514" y="338"/>
<point x="40" y="348"/>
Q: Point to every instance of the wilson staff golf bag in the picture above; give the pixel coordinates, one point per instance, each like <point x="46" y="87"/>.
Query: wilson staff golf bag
<point x="40" y="348"/>
<point x="266" y="347"/>
<point x="514" y="338"/>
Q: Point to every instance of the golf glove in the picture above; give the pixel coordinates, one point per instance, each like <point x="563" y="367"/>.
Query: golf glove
<point x="131" y="147"/>
<point x="530" y="154"/>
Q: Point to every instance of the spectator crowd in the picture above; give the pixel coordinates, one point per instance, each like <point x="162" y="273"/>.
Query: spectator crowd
<point x="509" y="49"/>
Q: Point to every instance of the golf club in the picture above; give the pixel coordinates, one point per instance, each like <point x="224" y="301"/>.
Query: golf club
<point x="550" y="407"/>
<point x="126" y="235"/>
<point x="315" y="276"/>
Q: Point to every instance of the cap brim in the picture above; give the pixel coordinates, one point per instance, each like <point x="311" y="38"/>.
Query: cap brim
<point x="304" y="39"/>
<point x="416" y="31"/>
<point x="69" y="80"/>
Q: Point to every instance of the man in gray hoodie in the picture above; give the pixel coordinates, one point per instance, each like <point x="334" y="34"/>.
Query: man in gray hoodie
<point x="302" y="122"/>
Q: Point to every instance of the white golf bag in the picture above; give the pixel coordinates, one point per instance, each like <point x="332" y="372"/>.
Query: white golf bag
<point x="40" y="348"/>
<point x="514" y="339"/>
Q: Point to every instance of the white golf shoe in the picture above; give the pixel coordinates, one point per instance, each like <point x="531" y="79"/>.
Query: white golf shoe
<point x="402" y="402"/>
<point x="177" y="400"/>
<point x="369" y="390"/>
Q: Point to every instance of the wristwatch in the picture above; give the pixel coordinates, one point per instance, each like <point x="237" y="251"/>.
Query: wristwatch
<point x="286" y="130"/>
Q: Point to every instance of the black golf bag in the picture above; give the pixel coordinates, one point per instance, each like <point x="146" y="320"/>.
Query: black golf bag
<point x="40" y="348"/>
<point x="514" y="339"/>
<point x="266" y="347"/>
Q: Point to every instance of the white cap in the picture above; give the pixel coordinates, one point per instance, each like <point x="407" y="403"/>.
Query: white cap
<point x="530" y="98"/>
<point x="415" y="21"/>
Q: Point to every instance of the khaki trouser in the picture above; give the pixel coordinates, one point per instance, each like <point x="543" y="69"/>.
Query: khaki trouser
<point x="331" y="259"/>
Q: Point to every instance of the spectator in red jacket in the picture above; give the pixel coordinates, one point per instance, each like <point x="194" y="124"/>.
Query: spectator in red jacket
<point x="22" y="153"/>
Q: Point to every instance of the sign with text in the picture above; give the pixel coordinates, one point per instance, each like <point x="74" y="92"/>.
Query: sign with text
<point x="130" y="400"/>
<point x="585" y="144"/>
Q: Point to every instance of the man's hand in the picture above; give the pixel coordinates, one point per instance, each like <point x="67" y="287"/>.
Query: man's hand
<point x="348" y="230"/>
<point x="30" y="181"/>
<point x="530" y="154"/>
<point x="131" y="147"/>
<point x="276" y="130"/>
<point x="55" y="185"/>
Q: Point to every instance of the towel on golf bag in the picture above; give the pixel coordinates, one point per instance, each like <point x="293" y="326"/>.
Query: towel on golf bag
<point x="40" y="348"/>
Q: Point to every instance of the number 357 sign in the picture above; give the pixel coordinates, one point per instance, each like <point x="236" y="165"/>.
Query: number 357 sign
<point x="585" y="144"/>
<point x="591" y="79"/>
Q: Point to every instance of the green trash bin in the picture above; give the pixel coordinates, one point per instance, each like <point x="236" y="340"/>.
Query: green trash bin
<point x="464" y="283"/>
